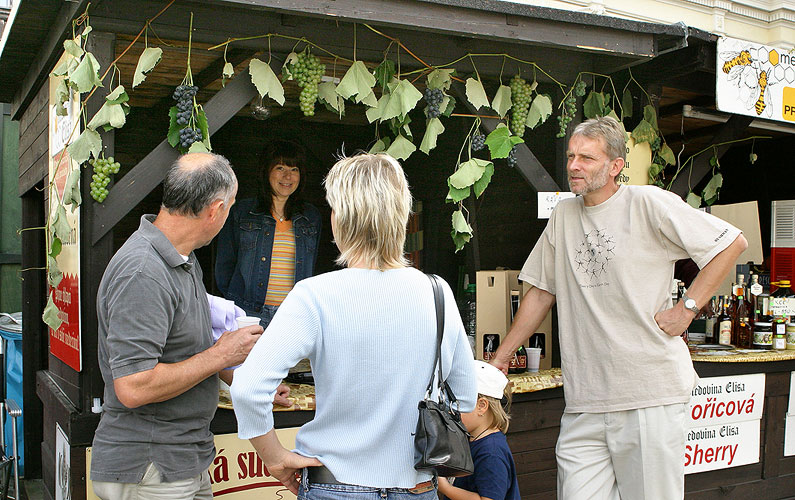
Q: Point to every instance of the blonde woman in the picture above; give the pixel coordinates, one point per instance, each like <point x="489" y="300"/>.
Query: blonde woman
<point x="369" y="331"/>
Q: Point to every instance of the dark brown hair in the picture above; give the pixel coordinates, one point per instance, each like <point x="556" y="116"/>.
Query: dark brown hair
<point x="290" y="154"/>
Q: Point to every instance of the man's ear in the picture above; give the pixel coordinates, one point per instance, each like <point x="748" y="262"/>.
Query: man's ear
<point x="215" y="208"/>
<point x="616" y="166"/>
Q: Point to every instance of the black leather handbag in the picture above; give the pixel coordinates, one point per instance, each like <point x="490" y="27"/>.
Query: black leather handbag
<point x="441" y="442"/>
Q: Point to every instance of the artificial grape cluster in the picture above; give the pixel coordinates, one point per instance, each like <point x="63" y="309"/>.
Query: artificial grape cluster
<point x="520" y="104"/>
<point x="103" y="169"/>
<point x="307" y="71"/>
<point x="433" y="99"/>
<point x="188" y="136"/>
<point x="566" y="114"/>
<point x="184" y="95"/>
<point x="512" y="157"/>
<point x="478" y="141"/>
<point x="579" y="88"/>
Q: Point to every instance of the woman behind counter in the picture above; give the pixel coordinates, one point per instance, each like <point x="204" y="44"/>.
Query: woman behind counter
<point x="270" y="242"/>
<point x="369" y="332"/>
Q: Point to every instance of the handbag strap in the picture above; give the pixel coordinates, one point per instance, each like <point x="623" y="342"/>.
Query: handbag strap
<point x="438" y="299"/>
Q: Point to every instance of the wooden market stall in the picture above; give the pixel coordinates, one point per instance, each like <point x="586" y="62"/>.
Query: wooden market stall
<point x="671" y="65"/>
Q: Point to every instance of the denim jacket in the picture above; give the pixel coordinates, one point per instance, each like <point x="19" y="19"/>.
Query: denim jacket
<point x="243" y="260"/>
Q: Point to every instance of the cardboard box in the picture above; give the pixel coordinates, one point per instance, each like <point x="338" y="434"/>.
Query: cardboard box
<point x="498" y="297"/>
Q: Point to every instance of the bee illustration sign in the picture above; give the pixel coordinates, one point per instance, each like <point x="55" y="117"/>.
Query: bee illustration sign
<point x="755" y="80"/>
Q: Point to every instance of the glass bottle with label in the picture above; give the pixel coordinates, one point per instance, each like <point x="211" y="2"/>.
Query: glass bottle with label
<point x="518" y="363"/>
<point x="745" y="334"/>
<point x="724" y="323"/>
<point x="754" y="291"/>
<point x="711" y="317"/>
<point x="741" y="310"/>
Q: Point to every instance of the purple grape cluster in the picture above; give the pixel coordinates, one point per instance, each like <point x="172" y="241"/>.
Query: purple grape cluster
<point x="478" y="141"/>
<point x="188" y="136"/>
<point x="184" y="95"/>
<point x="433" y="98"/>
<point x="512" y="157"/>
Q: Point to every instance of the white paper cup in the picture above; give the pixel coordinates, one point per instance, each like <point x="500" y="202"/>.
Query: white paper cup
<point x="533" y="358"/>
<point x="243" y="321"/>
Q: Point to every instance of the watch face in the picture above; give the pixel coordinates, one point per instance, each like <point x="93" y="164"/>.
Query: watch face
<point x="690" y="303"/>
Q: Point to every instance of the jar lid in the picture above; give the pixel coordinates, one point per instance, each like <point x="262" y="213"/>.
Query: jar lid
<point x="763" y="323"/>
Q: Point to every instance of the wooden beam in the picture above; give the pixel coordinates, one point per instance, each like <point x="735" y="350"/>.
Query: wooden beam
<point x="47" y="57"/>
<point x="149" y="172"/>
<point x="526" y="162"/>
<point x="731" y="130"/>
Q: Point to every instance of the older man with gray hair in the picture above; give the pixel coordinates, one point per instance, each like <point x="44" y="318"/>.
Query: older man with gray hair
<point x="607" y="257"/>
<point x="156" y="350"/>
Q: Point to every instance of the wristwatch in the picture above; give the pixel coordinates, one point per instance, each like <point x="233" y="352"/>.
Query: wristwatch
<point x="690" y="303"/>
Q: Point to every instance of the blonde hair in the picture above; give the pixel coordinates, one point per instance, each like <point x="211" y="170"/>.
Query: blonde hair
<point x="370" y="197"/>
<point x="499" y="414"/>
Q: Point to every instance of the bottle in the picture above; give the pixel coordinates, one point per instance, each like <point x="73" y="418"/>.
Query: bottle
<point x="518" y="363"/>
<point x="781" y="299"/>
<point x="744" y="334"/>
<point x="711" y="317"/>
<point x="741" y="310"/>
<point x="470" y="318"/>
<point x="724" y="324"/>
<point x="754" y="290"/>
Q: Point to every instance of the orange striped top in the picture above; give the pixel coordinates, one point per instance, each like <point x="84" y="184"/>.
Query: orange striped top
<point x="282" y="275"/>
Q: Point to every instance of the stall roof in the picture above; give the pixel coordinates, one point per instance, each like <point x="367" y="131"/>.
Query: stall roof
<point x="31" y="39"/>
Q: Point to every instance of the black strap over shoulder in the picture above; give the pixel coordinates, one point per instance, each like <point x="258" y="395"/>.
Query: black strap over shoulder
<point x="438" y="299"/>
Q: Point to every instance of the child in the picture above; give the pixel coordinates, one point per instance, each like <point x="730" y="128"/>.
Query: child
<point x="495" y="474"/>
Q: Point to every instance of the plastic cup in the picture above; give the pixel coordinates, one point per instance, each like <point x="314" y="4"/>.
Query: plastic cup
<point x="533" y="358"/>
<point x="243" y="321"/>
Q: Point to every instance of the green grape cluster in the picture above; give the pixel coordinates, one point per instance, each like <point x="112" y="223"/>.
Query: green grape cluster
<point x="103" y="169"/>
<point x="307" y="71"/>
<point x="579" y="88"/>
<point x="566" y="114"/>
<point x="520" y="104"/>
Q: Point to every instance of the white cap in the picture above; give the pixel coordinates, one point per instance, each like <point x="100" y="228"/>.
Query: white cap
<point x="491" y="381"/>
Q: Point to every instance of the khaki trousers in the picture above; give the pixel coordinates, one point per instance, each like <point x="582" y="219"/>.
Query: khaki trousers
<point x="628" y="455"/>
<point x="152" y="488"/>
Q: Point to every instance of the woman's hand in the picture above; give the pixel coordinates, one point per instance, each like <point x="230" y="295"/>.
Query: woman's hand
<point x="281" y="396"/>
<point x="279" y="462"/>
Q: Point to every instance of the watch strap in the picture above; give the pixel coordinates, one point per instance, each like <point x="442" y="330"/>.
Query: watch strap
<point x="685" y="299"/>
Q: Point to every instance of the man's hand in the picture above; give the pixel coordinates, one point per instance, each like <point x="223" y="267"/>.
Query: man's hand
<point x="234" y="346"/>
<point x="501" y="361"/>
<point x="281" y="396"/>
<point x="674" y="321"/>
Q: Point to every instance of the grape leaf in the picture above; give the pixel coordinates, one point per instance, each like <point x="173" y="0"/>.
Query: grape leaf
<point x="327" y="93"/>
<point x="263" y="77"/>
<point x="118" y="96"/>
<point x="379" y="146"/>
<point x="86" y="145"/>
<point x="402" y="100"/>
<point x="59" y="225"/>
<point x="626" y="104"/>
<point x="108" y="114"/>
<point x="476" y="94"/>
<point x="287" y="73"/>
<point x="448" y="105"/>
<point x="71" y="192"/>
<point x="61" y="96"/>
<point x="712" y="189"/>
<point x="432" y="131"/>
<point x="369" y="99"/>
<point x="482" y="183"/>
<point x="502" y="100"/>
<point x="358" y="81"/>
<point x="667" y="155"/>
<point x="146" y="63"/>
<point x="55" y="248"/>
<point x="377" y="111"/>
<point x="468" y="173"/>
<point x="72" y="47"/>
<point x="612" y="114"/>
<point x="385" y="72"/>
<point x="85" y="75"/>
<point x="454" y="194"/>
<point x="440" y="79"/>
<point x="228" y="71"/>
<point x="67" y="66"/>
<point x="460" y="223"/>
<point x="693" y="199"/>
<point x="594" y="105"/>
<point x="540" y="110"/>
<point x="650" y="115"/>
<point x="201" y="123"/>
<point x="460" y="239"/>
<point x="197" y="147"/>
<point x="644" y="132"/>
<point x="50" y="314"/>
<point x="655" y="169"/>
<point x="500" y="141"/>
<point x="173" y="127"/>
<point x="54" y="274"/>
<point x="401" y="148"/>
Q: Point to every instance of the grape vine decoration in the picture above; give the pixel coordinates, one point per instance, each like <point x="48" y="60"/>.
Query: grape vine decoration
<point x="521" y="95"/>
<point x="433" y="100"/>
<point x="569" y="108"/>
<point x="307" y="71"/>
<point x="103" y="169"/>
<point x="185" y="96"/>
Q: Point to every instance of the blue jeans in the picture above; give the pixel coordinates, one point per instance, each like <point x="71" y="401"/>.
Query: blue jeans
<point x="320" y="491"/>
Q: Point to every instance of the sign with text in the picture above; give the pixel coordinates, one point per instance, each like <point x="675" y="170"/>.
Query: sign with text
<point x="636" y="167"/>
<point x="548" y="199"/>
<point x="782" y="306"/>
<point x="64" y="128"/>
<point x="755" y="80"/>
<point x="237" y="473"/>
<point x="724" y="418"/>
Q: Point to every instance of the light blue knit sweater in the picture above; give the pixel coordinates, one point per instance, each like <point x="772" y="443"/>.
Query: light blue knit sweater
<point x="370" y="337"/>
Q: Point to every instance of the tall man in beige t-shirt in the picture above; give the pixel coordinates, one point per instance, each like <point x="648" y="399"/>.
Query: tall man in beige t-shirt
<point x="607" y="258"/>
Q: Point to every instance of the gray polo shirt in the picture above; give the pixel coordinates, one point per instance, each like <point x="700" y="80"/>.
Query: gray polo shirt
<point x="152" y="308"/>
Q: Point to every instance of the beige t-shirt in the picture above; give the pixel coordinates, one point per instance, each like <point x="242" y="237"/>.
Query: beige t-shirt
<point x="610" y="267"/>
